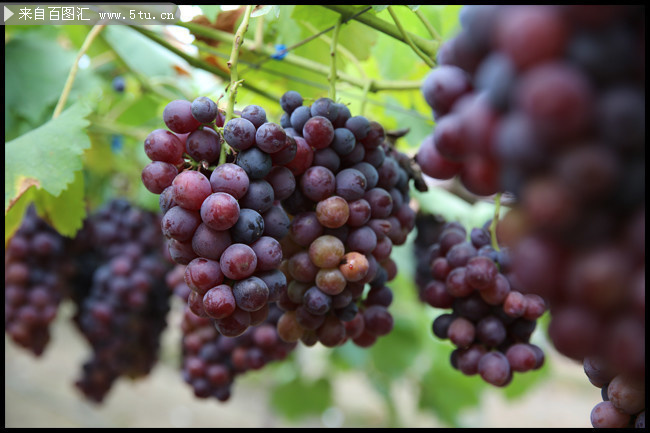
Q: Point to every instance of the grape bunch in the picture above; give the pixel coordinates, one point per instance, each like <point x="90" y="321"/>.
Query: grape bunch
<point x="303" y="214"/>
<point x="212" y="361"/>
<point x="219" y="216"/>
<point x="350" y="206"/>
<point x="123" y="311"/>
<point x="550" y="101"/>
<point x="491" y="320"/>
<point x="36" y="273"/>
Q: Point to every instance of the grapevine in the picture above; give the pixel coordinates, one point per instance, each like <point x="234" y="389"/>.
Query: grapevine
<point x="286" y="197"/>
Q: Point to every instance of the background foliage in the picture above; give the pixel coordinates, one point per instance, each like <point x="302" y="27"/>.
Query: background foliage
<point x="71" y="164"/>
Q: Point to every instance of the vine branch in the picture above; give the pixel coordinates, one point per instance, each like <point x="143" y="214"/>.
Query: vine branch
<point x="90" y="37"/>
<point x="495" y="220"/>
<point x="198" y="63"/>
<point x="408" y="40"/>
<point x="333" y="75"/>
<point x="427" y="46"/>
<point x="295" y="60"/>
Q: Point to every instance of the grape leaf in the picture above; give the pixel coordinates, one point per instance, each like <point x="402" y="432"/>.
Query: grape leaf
<point x="299" y="398"/>
<point x="66" y="212"/>
<point x="37" y="68"/>
<point x="14" y="217"/>
<point x="46" y="157"/>
<point x="140" y="53"/>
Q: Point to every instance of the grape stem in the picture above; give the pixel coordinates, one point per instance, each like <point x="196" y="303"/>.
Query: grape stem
<point x="495" y="220"/>
<point x="432" y="31"/>
<point x="427" y="46"/>
<point x="90" y="37"/>
<point x="333" y="75"/>
<point x="295" y="60"/>
<point x="198" y="63"/>
<point x="232" y="63"/>
<point x="408" y="40"/>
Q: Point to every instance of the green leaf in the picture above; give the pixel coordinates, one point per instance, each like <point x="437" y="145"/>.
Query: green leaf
<point x="261" y="11"/>
<point x="140" y="53"/>
<point x="393" y="354"/>
<point x="446" y="391"/>
<point x="300" y="398"/>
<point x="379" y="8"/>
<point x="47" y="157"/>
<point x="66" y="212"/>
<point x="211" y="12"/>
<point x="14" y="217"/>
<point x="413" y="7"/>
<point x="35" y="73"/>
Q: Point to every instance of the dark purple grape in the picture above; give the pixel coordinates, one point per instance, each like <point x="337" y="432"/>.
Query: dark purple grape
<point x="239" y="133"/>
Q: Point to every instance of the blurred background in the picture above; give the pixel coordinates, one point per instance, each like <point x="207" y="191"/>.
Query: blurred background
<point x="126" y="77"/>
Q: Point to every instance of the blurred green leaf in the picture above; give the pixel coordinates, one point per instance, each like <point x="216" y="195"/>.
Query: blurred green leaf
<point x="300" y="398"/>
<point x="66" y="212"/>
<point x="47" y="157"/>
<point x="140" y="53"/>
<point x="33" y="82"/>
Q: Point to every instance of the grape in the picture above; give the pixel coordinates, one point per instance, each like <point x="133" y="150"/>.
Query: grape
<point x="332" y="212"/>
<point x="316" y="302"/>
<point x="326" y="251"/>
<point x="248" y="228"/>
<point x="303" y="159"/>
<point x="180" y="223"/>
<point x="317" y="183"/>
<point x="191" y="188"/>
<point x="231" y="179"/>
<point x="259" y="197"/>
<point x="255" y="114"/>
<point x="287" y="153"/>
<point x="494" y="368"/>
<point x="239" y="133"/>
<point x="158" y="175"/>
<point x="354" y="266"/>
<point x="290" y="100"/>
<point x="204" y="109"/>
<point x="359" y="126"/>
<point x="318" y="132"/>
<point x="299" y="117"/>
<point x="251" y="293"/>
<point x="443" y="86"/>
<point x="606" y="415"/>
<point x="276" y="222"/>
<point x="433" y="163"/>
<point x="202" y="274"/>
<point x="343" y="142"/>
<point x="220" y="211"/>
<point x="177" y="115"/>
<point x="351" y="184"/>
<point x="627" y="394"/>
<point x="461" y="332"/>
<point x="378" y="321"/>
<point x="219" y="301"/>
<point x="327" y="158"/>
<point x="255" y="163"/>
<point x="204" y="145"/>
<point x="324" y="107"/>
<point x="238" y="261"/>
<point x="270" y="137"/>
<point x="375" y="136"/>
<point x="268" y="252"/>
<point x="305" y="228"/>
<point x="282" y="181"/>
<point x="331" y="281"/>
<point x="210" y="243"/>
<point x="531" y="35"/>
<point x="162" y="145"/>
